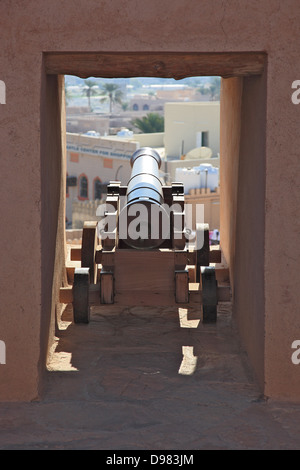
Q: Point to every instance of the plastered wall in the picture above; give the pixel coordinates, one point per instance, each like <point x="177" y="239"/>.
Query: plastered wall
<point x="209" y="37"/>
<point x="243" y="129"/>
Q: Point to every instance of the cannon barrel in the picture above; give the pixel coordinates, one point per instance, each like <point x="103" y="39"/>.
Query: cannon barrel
<point x="144" y="181"/>
<point x="143" y="217"/>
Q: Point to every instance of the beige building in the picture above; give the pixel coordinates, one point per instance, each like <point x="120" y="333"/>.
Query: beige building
<point x="192" y="124"/>
<point x="184" y="93"/>
<point x="92" y="162"/>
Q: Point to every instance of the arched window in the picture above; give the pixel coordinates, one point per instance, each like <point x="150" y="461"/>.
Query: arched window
<point x="135" y="107"/>
<point x="83" y="187"/>
<point x="97" y="188"/>
<point x="146" y="107"/>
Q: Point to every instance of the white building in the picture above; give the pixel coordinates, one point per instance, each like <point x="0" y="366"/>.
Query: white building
<point x="189" y="125"/>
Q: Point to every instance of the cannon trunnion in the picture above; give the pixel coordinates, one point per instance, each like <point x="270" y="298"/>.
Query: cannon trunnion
<point x="140" y="253"/>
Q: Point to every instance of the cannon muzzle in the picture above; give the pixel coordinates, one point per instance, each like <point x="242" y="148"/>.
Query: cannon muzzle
<point x="144" y="222"/>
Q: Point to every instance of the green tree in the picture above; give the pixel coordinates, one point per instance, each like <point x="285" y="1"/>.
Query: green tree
<point x="125" y="105"/>
<point x="212" y="89"/>
<point x="152" y="122"/>
<point x="113" y="93"/>
<point x="90" y="88"/>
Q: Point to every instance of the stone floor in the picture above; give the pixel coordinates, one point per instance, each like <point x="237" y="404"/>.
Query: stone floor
<point x="149" y="379"/>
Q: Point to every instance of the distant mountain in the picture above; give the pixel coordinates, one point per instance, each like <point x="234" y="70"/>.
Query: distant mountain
<point x="190" y="81"/>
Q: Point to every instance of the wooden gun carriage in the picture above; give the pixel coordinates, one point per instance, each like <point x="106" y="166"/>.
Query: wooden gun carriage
<point x="144" y="260"/>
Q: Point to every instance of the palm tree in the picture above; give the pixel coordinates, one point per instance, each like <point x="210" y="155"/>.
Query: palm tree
<point x="113" y="93"/>
<point x="152" y="122"/>
<point x="89" y="89"/>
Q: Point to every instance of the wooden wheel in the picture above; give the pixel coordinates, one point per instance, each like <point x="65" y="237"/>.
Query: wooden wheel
<point x="209" y="294"/>
<point x="202" y="248"/>
<point x="88" y="249"/>
<point x="81" y="307"/>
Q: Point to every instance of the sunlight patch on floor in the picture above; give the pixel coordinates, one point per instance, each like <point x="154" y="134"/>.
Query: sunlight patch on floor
<point x="189" y="361"/>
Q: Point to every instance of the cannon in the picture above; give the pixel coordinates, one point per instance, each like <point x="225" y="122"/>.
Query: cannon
<point x="141" y="252"/>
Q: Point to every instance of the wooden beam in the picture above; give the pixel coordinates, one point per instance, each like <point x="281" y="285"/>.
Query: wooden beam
<point x="106" y="258"/>
<point x="106" y="287"/>
<point x="215" y="256"/>
<point x="181" y="257"/>
<point x="70" y="274"/>
<point x="176" y="65"/>
<point x="223" y="293"/>
<point x="192" y="273"/>
<point x="75" y="254"/>
<point x="182" y="287"/>
<point x="195" y="296"/>
<point x="66" y="294"/>
<point x="88" y="248"/>
<point x="144" y="277"/>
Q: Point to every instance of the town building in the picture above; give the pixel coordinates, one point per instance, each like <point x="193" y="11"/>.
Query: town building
<point x="92" y="162"/>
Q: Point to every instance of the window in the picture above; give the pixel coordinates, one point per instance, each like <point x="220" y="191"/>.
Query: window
<point x="202" y="139"/>
<point x="74" y="157"/>
<point x="83" y="187"/>
<point x="97" y="188"/>
<point x="146" y="107"/>
<point x="135" y="107"/>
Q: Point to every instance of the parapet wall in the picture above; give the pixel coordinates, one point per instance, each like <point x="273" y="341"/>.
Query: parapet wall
<point x="82" y="211"/>
<point x="257" y="41"/>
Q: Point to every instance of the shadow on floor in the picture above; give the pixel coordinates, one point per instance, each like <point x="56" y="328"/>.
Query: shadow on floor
<point x="149" y="379"/>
